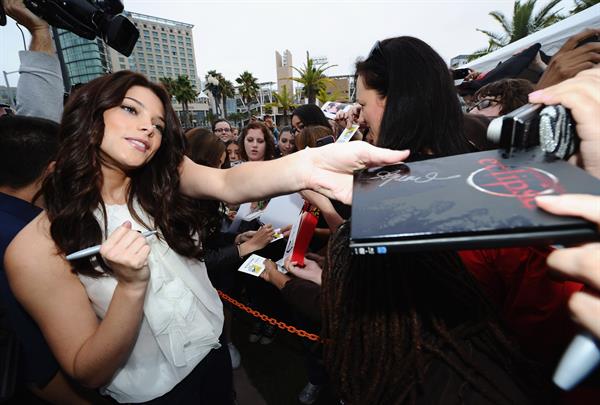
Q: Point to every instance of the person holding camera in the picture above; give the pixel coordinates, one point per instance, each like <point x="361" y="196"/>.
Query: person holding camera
<point x="579" y="94"/>
<point x="40" y="89"/>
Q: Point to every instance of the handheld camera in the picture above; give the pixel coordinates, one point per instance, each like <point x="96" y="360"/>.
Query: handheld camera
<point x="533" y="125"/>
<point x="88" y="19"/>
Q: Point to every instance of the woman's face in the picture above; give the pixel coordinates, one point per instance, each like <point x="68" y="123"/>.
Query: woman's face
<point x="254" y="144"/>
<point x="286" y="143"/>
<point x="133" y="129"/>
<point x="223" y="131"/>
<point x="233" y="151"/>
<point x="297" y="123"/>
<point x="372" y="108"/>
<point x="488" y="106"/>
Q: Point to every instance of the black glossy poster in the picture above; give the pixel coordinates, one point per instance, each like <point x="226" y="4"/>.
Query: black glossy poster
<point x="466" y="201"/>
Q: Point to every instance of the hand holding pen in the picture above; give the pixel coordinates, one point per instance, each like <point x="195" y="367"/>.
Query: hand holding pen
<point x="125" y="252"/>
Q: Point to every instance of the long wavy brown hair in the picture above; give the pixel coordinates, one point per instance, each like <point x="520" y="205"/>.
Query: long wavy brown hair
<point x="267" y="134"/>
<point x="73" y="191"/>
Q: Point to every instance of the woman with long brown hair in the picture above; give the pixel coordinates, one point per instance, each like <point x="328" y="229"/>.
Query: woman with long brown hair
<point x="256" y="143"/>
<point x="140" y="319"/>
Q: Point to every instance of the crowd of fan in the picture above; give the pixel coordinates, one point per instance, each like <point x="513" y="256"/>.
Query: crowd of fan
<point x="477" y="326"/>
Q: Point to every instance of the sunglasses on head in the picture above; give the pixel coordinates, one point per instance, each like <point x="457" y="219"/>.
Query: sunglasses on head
<point x="483" y="104"/>
<point x="376" y="50"/>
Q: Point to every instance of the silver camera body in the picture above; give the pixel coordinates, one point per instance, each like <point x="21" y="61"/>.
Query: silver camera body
<point x="533" y="125"/>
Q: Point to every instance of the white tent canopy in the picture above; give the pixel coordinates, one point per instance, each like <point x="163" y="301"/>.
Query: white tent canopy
<point x="551" y="38"/>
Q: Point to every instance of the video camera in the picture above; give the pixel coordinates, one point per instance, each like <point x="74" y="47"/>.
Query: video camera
<point x="88" y="19"/>
<point x="551" y="128"/>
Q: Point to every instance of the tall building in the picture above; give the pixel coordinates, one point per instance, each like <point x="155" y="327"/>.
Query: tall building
<point x="165" y="49"/>
<point x="285" y="72"/>
<point x="81" y="59"/>
<point x="342" y="88"/>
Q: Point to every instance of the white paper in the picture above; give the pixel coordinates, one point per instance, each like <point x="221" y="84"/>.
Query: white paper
<point x="289" y="248"/>
<point x="242" y="212"/>
<point x="283" y="210"/>
<point x="276" y="235"/>
<point x="254" y="265"/>
<point x="347" y="134"/>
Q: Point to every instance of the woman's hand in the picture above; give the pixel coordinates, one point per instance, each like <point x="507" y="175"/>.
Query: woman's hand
<point x="126" y="253"/>
<point x="580" y="263"/>
<point x="262" y="237"/>
<point x="311" y="270"/>
<point x="581" y="95"/>
<point x="244" y="237"/>
<point x="259" y="240"/>
<point x="330" y="167"/>
<point x="274" y="276"/>
<point x="346" y="119"/>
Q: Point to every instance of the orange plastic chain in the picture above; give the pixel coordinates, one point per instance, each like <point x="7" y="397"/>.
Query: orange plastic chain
<point x="272" y="321"/>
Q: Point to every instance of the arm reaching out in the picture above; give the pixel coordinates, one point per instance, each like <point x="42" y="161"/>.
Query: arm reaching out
<point x="327" y="170"/>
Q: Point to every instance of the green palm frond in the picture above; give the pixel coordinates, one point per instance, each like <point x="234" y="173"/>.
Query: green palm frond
<point x="522" y="24"/>
<point x="501" y="18"/>
<point x="248" y="88"/>
<point x="497" y="39"/>
<point x="581" y="5"/>
<point x="312" y="77"/>
<point x="546" y="17"/>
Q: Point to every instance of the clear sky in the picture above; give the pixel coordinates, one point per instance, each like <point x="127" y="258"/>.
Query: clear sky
<point x="233" y="36"/>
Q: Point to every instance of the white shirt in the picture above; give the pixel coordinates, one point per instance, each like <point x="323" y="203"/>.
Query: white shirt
<point x="182" y="322"/>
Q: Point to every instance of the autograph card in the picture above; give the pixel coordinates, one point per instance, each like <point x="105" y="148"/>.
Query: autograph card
<point x="277" y="235"/>
<point x="254" y="265"/>
<point x="347" y="134"/>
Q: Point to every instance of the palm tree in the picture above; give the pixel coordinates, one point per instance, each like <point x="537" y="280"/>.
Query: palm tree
<point x="169" y="84"/>
<point x="185" y="93"/>
<point x="312" y="78"/>
<point x="213" y="86"/>
<point x="523" y="23"/>
<point x="581" y="5"/>
<point x="236" y="118"/>
<point x="227" y="91"/>
<point x="284" y="101"/>
<point x="324" y="97"/>
<point x="248" y="88"/>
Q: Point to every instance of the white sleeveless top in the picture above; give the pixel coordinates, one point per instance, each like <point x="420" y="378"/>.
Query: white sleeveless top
<point x="182" y="322"/>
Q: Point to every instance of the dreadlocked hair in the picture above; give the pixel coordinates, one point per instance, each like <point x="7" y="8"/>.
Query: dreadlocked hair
<point x="386" y="318"/>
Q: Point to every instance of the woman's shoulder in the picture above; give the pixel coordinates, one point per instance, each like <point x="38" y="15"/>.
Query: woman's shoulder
<point x="33" y="250"/>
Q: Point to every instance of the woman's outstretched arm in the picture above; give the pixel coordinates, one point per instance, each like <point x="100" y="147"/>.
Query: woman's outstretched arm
<point x="327" y="170"/>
